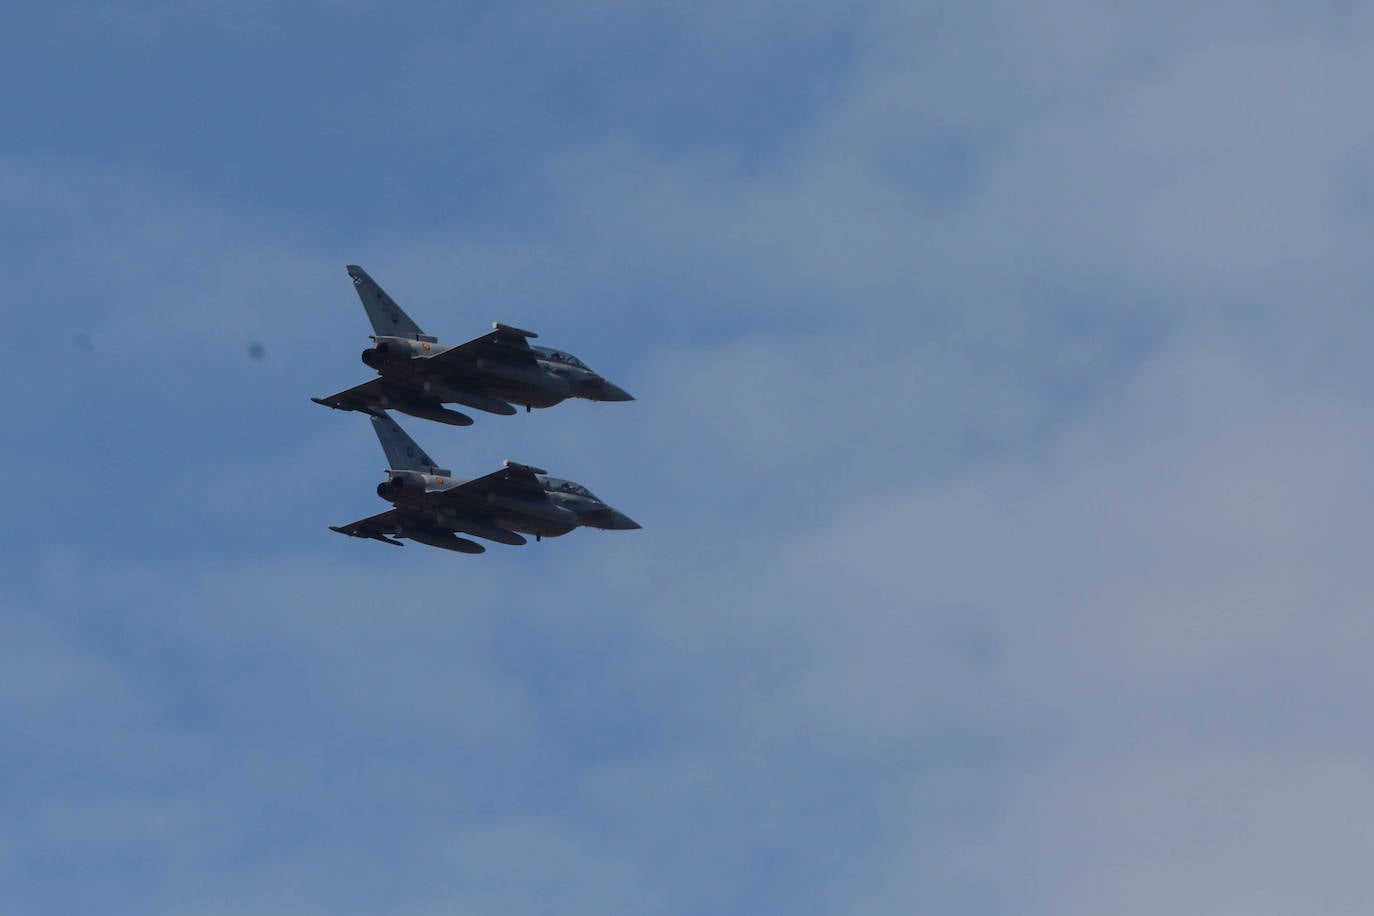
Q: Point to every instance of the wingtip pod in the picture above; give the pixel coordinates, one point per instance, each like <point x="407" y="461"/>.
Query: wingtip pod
<point x="517" y="466"/>
<point x="510" y="329"/>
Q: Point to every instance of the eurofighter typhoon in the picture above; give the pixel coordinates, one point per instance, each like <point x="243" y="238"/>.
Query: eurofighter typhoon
<point x="433" y="507"/>
<point x="418" y="375"/>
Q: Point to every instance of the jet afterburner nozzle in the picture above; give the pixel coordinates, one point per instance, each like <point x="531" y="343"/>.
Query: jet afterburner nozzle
<point x="395" y="486"/>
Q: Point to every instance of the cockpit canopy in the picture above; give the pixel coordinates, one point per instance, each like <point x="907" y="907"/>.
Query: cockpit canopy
<point x="567" y="486"/>
<point x="558" y="356"/>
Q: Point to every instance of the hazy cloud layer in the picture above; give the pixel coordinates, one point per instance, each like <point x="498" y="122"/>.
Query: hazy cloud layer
<point x="1001" y="446"/>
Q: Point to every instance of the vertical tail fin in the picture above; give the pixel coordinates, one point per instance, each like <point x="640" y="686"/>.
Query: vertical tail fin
<point x="402" y="452"/>
<point x="388" y="319"/>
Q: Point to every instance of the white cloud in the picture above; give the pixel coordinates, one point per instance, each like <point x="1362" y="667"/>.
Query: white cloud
<point x="1004" y="542"/>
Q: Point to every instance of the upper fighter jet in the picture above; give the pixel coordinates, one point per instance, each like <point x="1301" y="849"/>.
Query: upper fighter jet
<point x="431" y="506"/>
<point x="418" y="375"/>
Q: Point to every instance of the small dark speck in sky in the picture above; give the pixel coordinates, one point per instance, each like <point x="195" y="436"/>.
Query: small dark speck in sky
<point x="256" y="350"/>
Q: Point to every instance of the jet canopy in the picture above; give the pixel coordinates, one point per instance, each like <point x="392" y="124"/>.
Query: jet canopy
<point x="567" y="486"/>
<point x="558" y="356"/>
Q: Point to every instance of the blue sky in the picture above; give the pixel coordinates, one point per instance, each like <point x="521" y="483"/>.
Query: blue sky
<point x="1001" y="444"/>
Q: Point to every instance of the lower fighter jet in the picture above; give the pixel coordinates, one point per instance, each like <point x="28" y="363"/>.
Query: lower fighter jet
<point x="433" y="507"/>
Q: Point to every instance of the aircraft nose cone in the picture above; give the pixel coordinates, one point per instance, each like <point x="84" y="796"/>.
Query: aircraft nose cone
<point x="608" y="519"/>
<point x="622" y="522"/>
<point x="602" y="390"/>
<point x="616" y="393"/>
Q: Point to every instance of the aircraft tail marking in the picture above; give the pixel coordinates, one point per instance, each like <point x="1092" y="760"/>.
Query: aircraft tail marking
<point x="402" y="452"/>
<point x="388" y="319"/>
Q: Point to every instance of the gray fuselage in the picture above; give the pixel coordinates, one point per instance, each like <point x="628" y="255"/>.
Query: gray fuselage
<point x="412" y="369"/>
<point x="564" y="506"/>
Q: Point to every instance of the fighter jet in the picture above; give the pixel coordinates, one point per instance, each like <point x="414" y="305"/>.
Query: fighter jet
<point x="418" y="375"/>
<point x="432" y="507"/>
